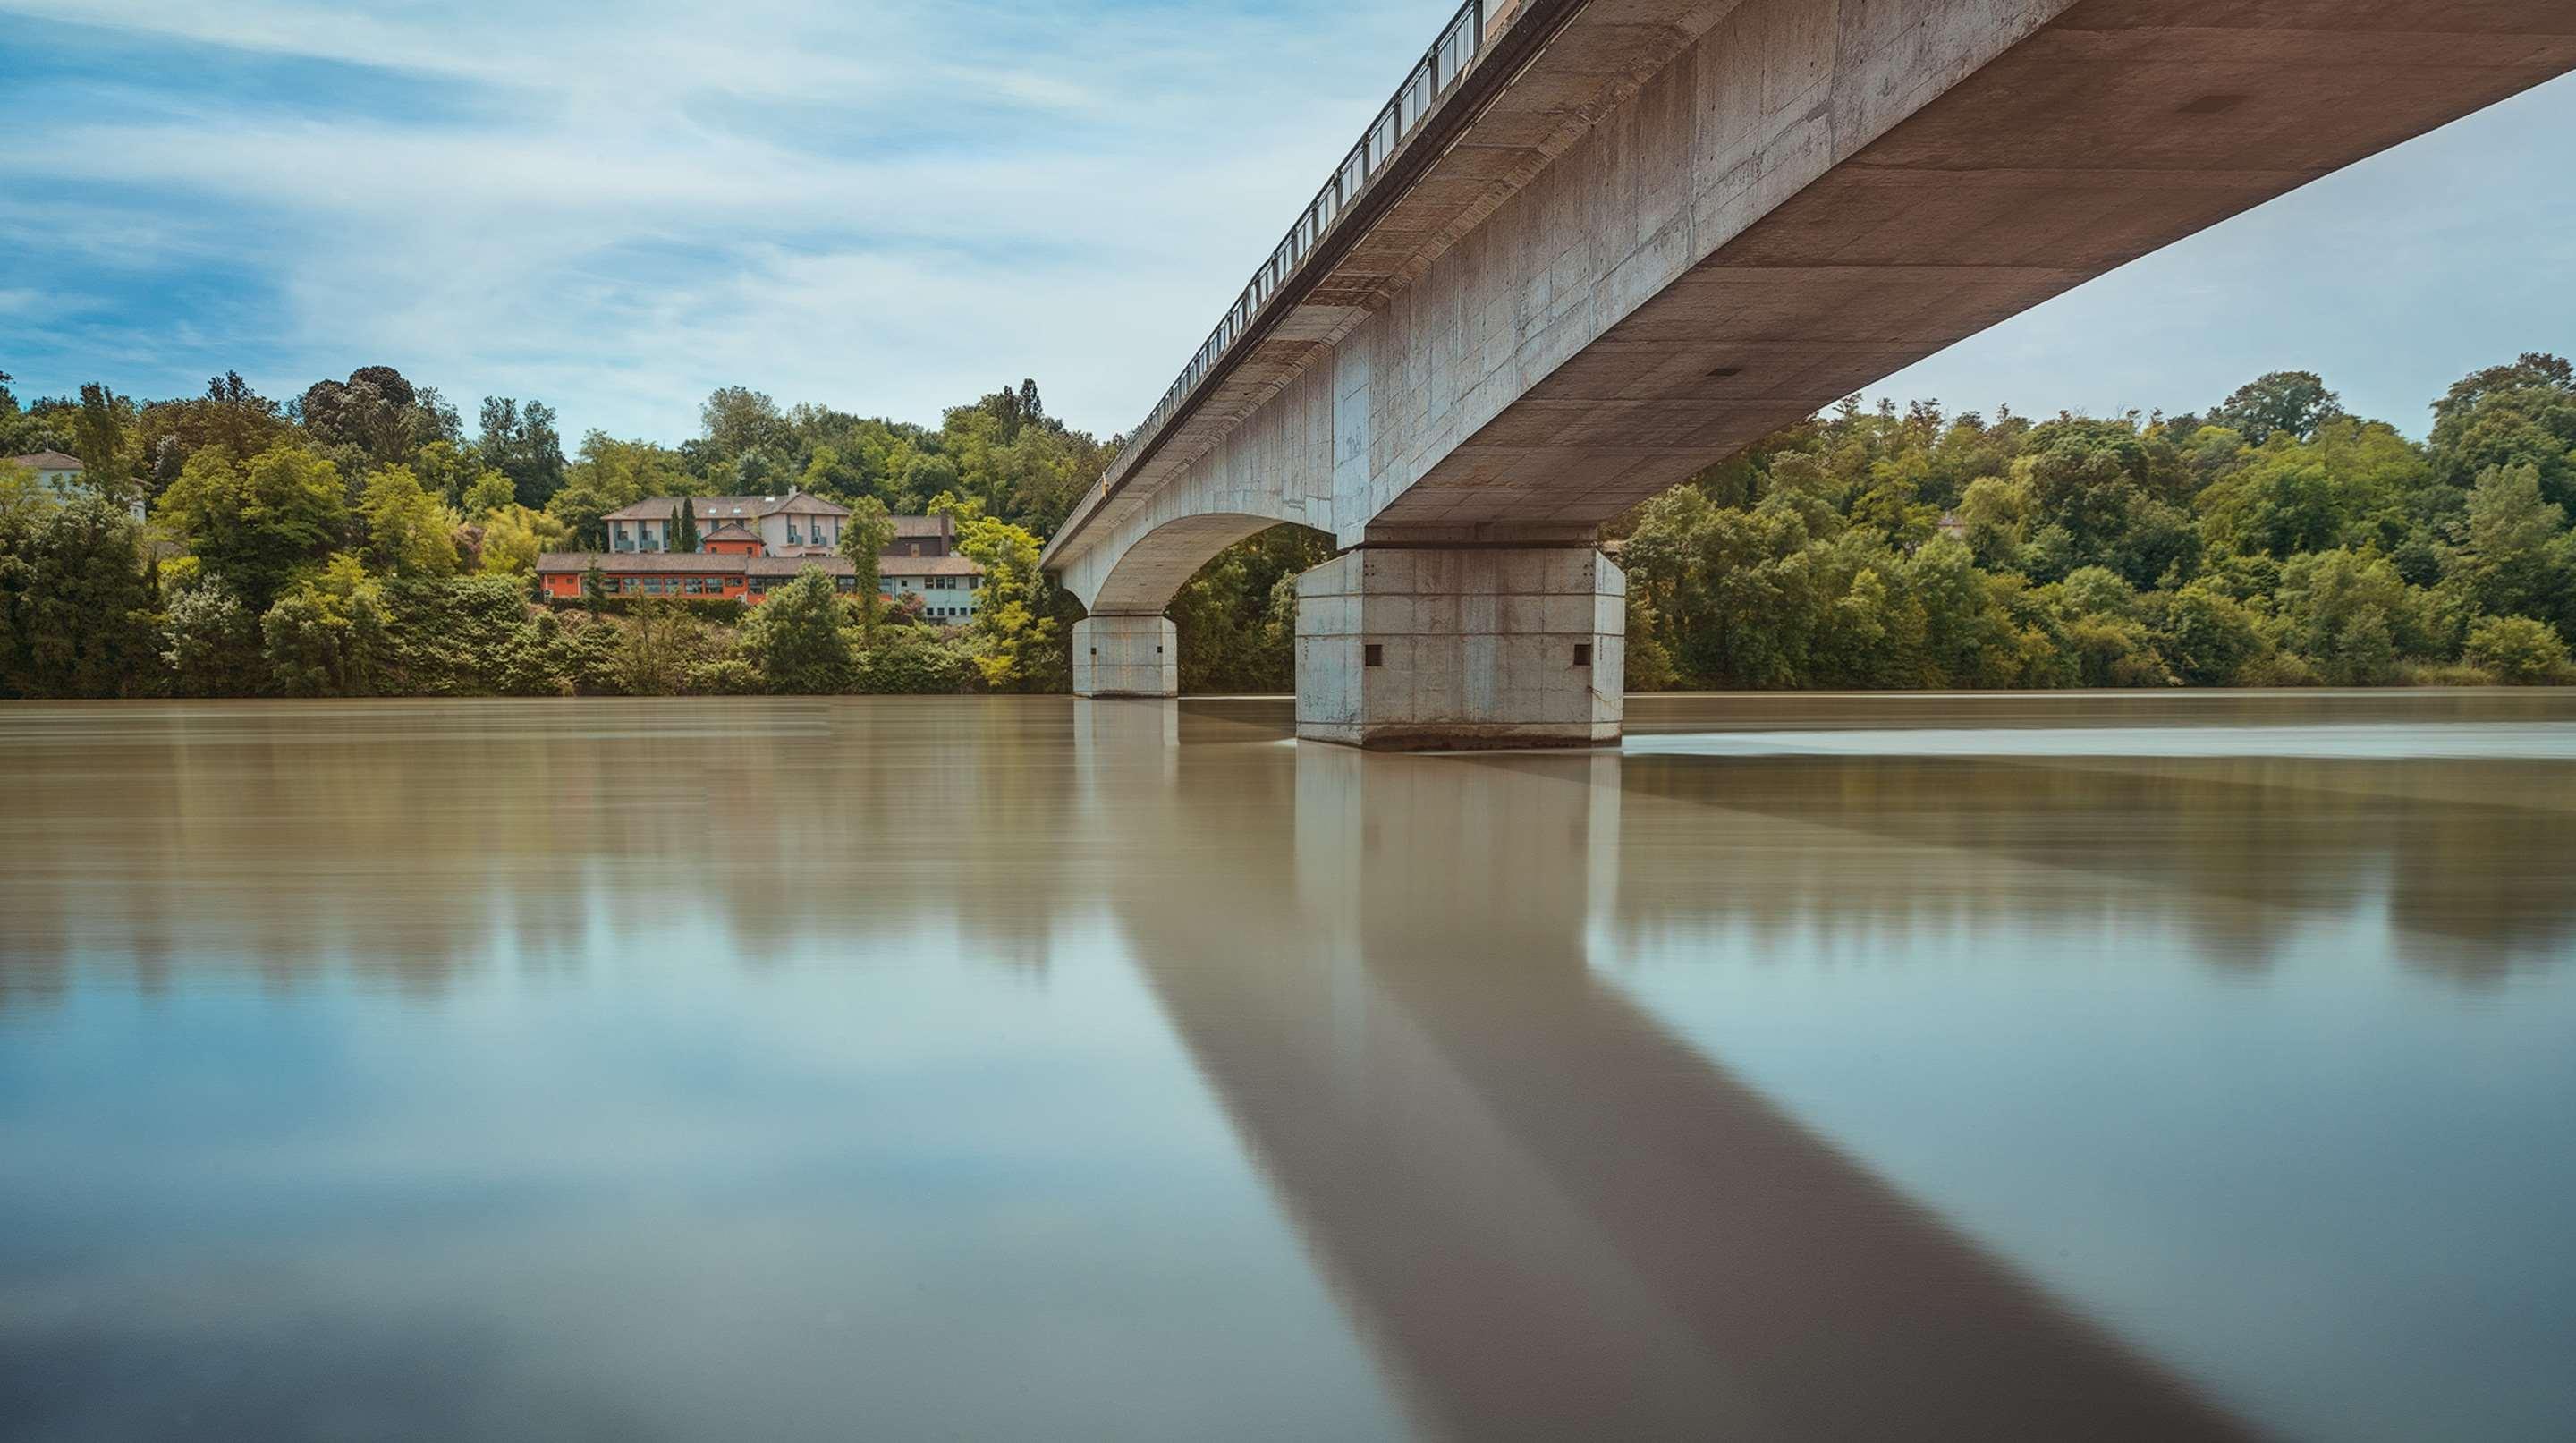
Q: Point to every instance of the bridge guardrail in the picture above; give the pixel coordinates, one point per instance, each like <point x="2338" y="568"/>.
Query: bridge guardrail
<point x="1461" y="41"/>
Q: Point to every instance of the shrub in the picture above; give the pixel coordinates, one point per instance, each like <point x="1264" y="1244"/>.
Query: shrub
<point x="2519" y="651"/>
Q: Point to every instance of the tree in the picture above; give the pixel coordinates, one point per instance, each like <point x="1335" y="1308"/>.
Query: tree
<point x="2292" y="403"/>
<point x="211" y="642"/>
<point x="514" y="537"/>
<point x="662" y="641"/>
<point x="254" y="524"/>
<point x="375" y="411"/>
<point x="102" y="439"/>
<point x="2351" y="616"/>
<point x="2523" y="414"/>
<point x="488" y="492"/>
<point x="795" y="637"/>
<point x="521" y="443"/>
<point x="2516" y="556"/>
<point x="408" y="532"/>
<point x="738" y="421"/>
<point x="1020" y="634"/>
<point x="912" y="660"/>
<point x="686" y="537"/>
<point x="865" y="537"/>
<point x="611" y="474"/>
<point x="76" y="607"/>
<point x="2519" y="651"/>
<point x="327" y="636"/>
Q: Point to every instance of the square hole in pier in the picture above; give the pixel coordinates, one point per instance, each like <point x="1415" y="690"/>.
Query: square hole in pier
<point x="1583" y="653"/>
<point x="1372" y="654"/>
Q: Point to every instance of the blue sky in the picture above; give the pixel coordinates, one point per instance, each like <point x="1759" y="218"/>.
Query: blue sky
<point x="893" y="205"/>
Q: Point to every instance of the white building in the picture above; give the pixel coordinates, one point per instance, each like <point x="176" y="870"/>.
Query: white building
<point x="795" y="524"/>
<point x="949" y="586"/>
<point x="61" y="475"/>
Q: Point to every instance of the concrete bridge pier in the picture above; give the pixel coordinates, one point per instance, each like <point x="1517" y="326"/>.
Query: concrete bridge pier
<point x="1455" y="638"/>
<point x="1121" y="655"/>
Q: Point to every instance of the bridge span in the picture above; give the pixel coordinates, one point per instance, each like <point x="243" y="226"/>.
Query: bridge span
<point x="1595" y="245"/>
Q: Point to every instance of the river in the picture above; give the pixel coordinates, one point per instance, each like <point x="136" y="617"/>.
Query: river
<point x="2194" y="1065"/>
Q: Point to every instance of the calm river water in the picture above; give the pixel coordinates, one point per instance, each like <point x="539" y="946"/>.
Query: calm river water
<point x="1970" y="1067"/>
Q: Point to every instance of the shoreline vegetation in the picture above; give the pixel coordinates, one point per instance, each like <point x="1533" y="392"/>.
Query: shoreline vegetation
<point x="357" y="541"/>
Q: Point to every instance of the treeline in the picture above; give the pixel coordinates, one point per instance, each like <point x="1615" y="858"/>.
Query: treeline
<point x="2272" y="541"/>
<point x="356" y="541"/>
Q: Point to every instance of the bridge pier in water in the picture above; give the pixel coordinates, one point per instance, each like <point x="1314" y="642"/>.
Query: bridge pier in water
<point x="1437" y="639"/>
<point x="1119" y="655"/>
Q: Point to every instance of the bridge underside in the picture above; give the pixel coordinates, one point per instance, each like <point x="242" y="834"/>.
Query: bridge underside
<point x="1775" y="203"/>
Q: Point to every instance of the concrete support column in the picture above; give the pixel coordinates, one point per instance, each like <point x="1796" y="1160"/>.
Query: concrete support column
<point x="1435" y="645"/>
<point x="1126" y="656"/>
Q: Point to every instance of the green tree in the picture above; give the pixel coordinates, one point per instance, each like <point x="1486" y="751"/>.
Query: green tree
<point x="795" y="637"/>
<point x="1020" y="637"/>
<point x="488" y="492"/>
<point x="2292" y="403"/>
<point x="2351" y="616"/>
<point x="2523" y="414"/>
<point x="514" y="537"/>
<point x="327" y="635"/>
<point x="408" y="532"/>
<point x="211" y="642"/>
<point x="521" y="442"/>
<point x="102" y="437"/>
<point x="913" y="661"/>
<point x="662" y="642"/>
<point x="2519" y="651"/>
<point x="2516" y="556"/>
<point x="76" y="606"/>
<point x="865" y="537"/>
<point x="255" y="524"/>
<point x="685" y="539"/>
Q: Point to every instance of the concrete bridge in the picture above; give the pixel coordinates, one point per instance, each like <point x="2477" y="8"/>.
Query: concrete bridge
<point x="1595" y="245"/>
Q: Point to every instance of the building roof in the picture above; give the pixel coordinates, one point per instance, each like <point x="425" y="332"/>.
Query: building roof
<point x="942" y="526"/>
<point x="687" y="563"/>
<point x="730" y="531"/>
<point x="48" y="461"/>
<point x="927" y="566"/>
<point x="722" y="508"/>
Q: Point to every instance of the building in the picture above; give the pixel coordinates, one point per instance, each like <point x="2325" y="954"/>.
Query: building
<point x="61" y="474"/>
<point x="949" y="586"/>
<point x="923" y="536"/>
<point x="710" y="575"/>
<point x="795" y="524"/>
<point x="733" y="562"/>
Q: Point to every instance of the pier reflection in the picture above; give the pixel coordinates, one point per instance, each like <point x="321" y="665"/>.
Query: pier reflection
<point x="1552" y="1216"/>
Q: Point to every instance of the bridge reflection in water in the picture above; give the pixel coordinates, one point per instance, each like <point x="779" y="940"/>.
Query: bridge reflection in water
<point x="1550" y="1215"/>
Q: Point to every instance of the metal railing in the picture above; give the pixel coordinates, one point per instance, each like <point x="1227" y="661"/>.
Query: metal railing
<point x="1430" y="80"/>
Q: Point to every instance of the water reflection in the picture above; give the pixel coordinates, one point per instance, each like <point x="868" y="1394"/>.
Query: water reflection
<point x="1555" y="1217"/>
<point x="954" y="1039"/>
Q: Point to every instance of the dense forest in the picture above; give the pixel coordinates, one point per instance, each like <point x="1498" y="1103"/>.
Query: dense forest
<point x="2271" y="541"/>
<point x="357" y="540"/>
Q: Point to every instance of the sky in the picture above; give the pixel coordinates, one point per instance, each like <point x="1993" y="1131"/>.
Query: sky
<point x="892" y="206"/>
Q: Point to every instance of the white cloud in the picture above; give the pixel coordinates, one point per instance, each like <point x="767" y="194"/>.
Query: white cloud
<point x="887" y="207"/>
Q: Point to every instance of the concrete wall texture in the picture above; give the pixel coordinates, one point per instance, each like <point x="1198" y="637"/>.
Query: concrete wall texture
<point x="1689" y="222"/>
<point x="1445" y="647"/>
<point x="1126" y="656"/>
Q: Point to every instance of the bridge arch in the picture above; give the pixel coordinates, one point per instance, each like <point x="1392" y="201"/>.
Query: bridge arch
<point x="1151" y="570"/>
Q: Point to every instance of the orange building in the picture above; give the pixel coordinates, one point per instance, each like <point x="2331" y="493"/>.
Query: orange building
<point x="713" y="575"/>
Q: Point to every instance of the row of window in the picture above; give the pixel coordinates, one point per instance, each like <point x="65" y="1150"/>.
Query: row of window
<point x="707" y="585"/>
